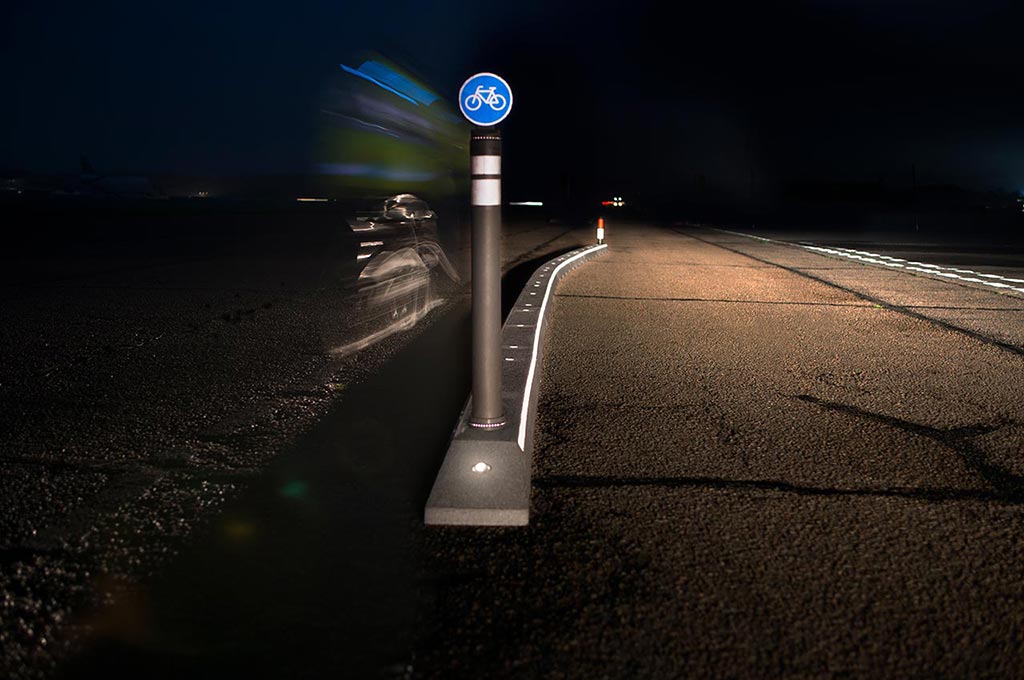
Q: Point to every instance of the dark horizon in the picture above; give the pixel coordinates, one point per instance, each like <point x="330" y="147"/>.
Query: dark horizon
<point x="621" y="98"/>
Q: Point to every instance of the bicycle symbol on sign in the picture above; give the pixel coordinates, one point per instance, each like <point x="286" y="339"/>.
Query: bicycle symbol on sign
<point x="485" y="95"/>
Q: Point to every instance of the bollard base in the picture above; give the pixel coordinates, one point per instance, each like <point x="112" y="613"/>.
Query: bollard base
<point x="497" y="495"/>
<point x="485" y="477"/>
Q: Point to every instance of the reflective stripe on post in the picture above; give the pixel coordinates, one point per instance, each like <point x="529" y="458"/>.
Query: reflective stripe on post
<point x="485" y="168"/>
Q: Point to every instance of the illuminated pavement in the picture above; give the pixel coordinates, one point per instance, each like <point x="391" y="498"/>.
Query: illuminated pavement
<point x="752" y="460"/>
<point x="742" y="471"/>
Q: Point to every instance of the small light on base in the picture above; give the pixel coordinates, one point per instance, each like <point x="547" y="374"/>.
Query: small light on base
<point x="481" y="467"/>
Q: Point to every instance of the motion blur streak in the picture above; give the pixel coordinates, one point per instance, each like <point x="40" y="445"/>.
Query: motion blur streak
<point x="377" y="82"/>
<point x="395" y="288"/>
<point x="393" y="81"/>
<point x="384" y="132"/>
<point x="407" y="322"/>
<point x="369" y="170"/>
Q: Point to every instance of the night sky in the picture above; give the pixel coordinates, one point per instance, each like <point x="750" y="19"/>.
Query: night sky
<point x="629" y="95"/>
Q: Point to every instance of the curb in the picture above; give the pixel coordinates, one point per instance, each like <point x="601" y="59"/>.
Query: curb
<point x="485" y="477"/>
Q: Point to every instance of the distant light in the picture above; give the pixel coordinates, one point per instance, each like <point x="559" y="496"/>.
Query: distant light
<point x="535" y="204"/>
<point x="606" y="202"/>
<point x="481" y="467"/>
<point x="312" y="200"/>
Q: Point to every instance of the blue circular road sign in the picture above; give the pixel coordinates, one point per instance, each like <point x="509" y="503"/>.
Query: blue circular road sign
<point x="485" y="99"/>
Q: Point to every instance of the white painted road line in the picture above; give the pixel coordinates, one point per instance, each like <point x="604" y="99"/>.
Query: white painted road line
<point x="536" y="343"/>
<point x="966" y="275"/>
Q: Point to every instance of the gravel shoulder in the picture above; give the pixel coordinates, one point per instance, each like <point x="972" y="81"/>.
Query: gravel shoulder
<point x="146" y="384"/>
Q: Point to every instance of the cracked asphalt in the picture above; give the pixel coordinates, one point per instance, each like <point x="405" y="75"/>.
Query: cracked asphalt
<point x="752" y="460"/>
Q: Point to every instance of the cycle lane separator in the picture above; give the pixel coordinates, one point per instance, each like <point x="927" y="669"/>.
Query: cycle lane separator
<point x="485" y="478"/>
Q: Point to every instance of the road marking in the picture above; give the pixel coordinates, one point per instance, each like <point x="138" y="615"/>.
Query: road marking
<point x="900" y="309"/>
<point x="536" y="342"/>
<point x="990" y="280"/>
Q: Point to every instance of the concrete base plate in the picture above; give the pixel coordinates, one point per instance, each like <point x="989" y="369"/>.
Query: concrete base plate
<point x="499" y="495"/>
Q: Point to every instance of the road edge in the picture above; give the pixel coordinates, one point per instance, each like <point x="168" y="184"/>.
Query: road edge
<point x="485" y="478"/>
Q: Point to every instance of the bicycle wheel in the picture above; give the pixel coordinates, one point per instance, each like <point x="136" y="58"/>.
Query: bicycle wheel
<point x="495" y="99"/>
<point x="473" y="102"/>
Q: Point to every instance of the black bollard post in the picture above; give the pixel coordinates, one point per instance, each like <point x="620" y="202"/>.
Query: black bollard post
<point x="485" y="153"/>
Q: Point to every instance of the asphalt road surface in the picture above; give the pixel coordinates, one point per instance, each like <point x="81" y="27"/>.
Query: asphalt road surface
<point x="155" y="362"/>
<point x="753" y="460"/>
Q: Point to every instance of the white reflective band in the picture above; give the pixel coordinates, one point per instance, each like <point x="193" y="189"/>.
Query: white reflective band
<point x="521" y="439"/>
<point x="485" y="165"/>
<point x="600" y="233"/>
<point x="486" y="192"/>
